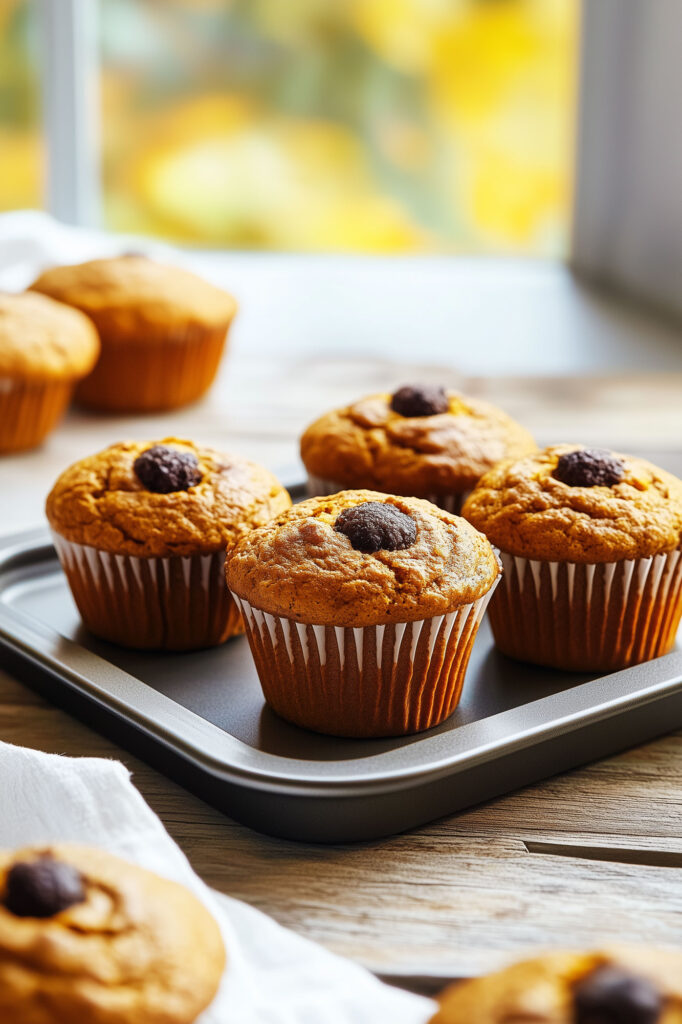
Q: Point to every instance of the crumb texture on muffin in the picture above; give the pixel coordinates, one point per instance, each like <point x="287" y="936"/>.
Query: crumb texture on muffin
<point x="41" y="339"/>
<point x="129" y="294"/>
<point x="137" y="949"/>
<point x="543" y="990"/>
<point x="302" y="567"/>
<point x="525" y="510"/>
<point x="100" y="501"/>
<point x="369" y="444"/>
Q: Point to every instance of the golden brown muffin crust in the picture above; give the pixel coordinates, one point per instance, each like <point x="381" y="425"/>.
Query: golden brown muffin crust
<point x="540" y="991"/>
<point x="367" y="444"/>
<point x="138" y="950"/>
<point x="41" y="339"/>
<point x="300" y="567"/>
<point x="129" y="296"/>
<point x="524" y="510"/>
<point x="100" y="501"/>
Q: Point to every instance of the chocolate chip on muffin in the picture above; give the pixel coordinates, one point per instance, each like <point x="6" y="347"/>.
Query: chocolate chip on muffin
<point x="419" y="400"/>
<point x="42" y="887"/>
<point x="373" y="526"/>
<point x="589" y="467"/>
<point x="611" y="995"/>
<point x="164" y="470"/>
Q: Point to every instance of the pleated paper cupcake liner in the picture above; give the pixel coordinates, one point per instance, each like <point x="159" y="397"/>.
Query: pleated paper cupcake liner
<point x="593" y="617"/>
<point x="367" y="681"/>
<point x="153" y="375"/>
<point x="174" y="604"/>
<point x="319" y="486"/>
<point x="29" y="411"/>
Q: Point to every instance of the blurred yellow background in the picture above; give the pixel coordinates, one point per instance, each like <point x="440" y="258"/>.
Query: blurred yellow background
<point x="356" y="125"/>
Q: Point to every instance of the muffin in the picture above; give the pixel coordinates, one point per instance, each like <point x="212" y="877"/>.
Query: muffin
<point x="619" y="986"/>
<point x="163" y="330"/>
<point x="88" y="938"/>
<point x="141" y="531"/>
<point x="45" y="348"/>
<point x="423" y="442"/>
<point x="590" y="545"/>
<point x="361" y="610"/>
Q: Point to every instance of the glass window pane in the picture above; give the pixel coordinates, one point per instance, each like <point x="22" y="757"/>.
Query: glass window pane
<point x="370" y="125"/>
<point x="21" y="144"/>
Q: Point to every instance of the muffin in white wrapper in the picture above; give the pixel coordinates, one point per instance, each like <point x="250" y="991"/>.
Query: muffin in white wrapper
<point x="141" y="530"/>
<point x="590" y="541"/>
<point x="361" y="610"/>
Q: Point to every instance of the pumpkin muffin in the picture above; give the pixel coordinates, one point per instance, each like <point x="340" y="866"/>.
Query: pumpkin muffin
<point x="618" y="986"/>
<point x="361" y="610"/>
<point x="45" y="348"/>
<point x="590" y="543"/>
<point x="421" y="441"/>
<point x="141" y="530"/>
<point x="163" y="330"/>
<point x="88" y="938"/>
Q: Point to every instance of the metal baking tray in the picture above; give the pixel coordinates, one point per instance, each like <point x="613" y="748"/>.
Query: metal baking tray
<point x="200" y="718"/>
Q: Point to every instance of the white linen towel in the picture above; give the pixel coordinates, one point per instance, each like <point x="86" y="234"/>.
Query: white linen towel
<point x="273" y="975"/>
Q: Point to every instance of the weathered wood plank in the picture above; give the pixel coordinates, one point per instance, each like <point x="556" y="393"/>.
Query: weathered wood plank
<point x="453" y="897"/>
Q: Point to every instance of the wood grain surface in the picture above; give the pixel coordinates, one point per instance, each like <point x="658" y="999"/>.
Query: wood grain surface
<point x="591" y="856"/>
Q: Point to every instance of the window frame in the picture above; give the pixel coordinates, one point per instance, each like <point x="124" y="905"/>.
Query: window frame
<point x="624" y="226"/>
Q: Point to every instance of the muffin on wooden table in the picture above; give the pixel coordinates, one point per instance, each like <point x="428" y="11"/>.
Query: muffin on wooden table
<point x="163" y="330"/>
<point x="141" y="530"/>
<point x="45" y="349"/>
<point x="590" y="543"/>
<point x="422" y="441"/>
<point x="361" y="610"/>
<point x="618" y="986"/>
<point x="87" y="938"/>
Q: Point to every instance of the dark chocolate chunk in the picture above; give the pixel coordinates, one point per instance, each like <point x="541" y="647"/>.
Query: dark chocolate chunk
<point x="589" y="467"/>
<point x="42" y="887"/>
<point x="611" y="995"/>
<point x="419" y="400"/>
<point x="373" y="526"/>
<point x="163" y="469"/>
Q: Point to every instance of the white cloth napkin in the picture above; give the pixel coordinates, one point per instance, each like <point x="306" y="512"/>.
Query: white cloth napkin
<point x="30" y="241"/>
<point x="273" y="976"/>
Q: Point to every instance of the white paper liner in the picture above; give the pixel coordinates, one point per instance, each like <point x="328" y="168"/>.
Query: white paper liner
<point x="172" y="603"/>
<point x="352" y="659"/>
<point x="319" y="486"/>
<point x="615" y="613"/>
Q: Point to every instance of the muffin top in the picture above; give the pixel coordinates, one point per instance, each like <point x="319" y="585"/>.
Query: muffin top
<point x="636" y="986"/>
<point x="43" y="339"/>
<point x="155" y="499"/>
<point x="131" y="294"/>
<point x="362" y="558"/>
<point x="86" y="936"/>
<point x="419" y="441"/>
<point x="575" y="504"/>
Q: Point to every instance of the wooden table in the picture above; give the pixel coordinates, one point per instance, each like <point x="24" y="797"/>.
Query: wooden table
<point x="586" y="857"/>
